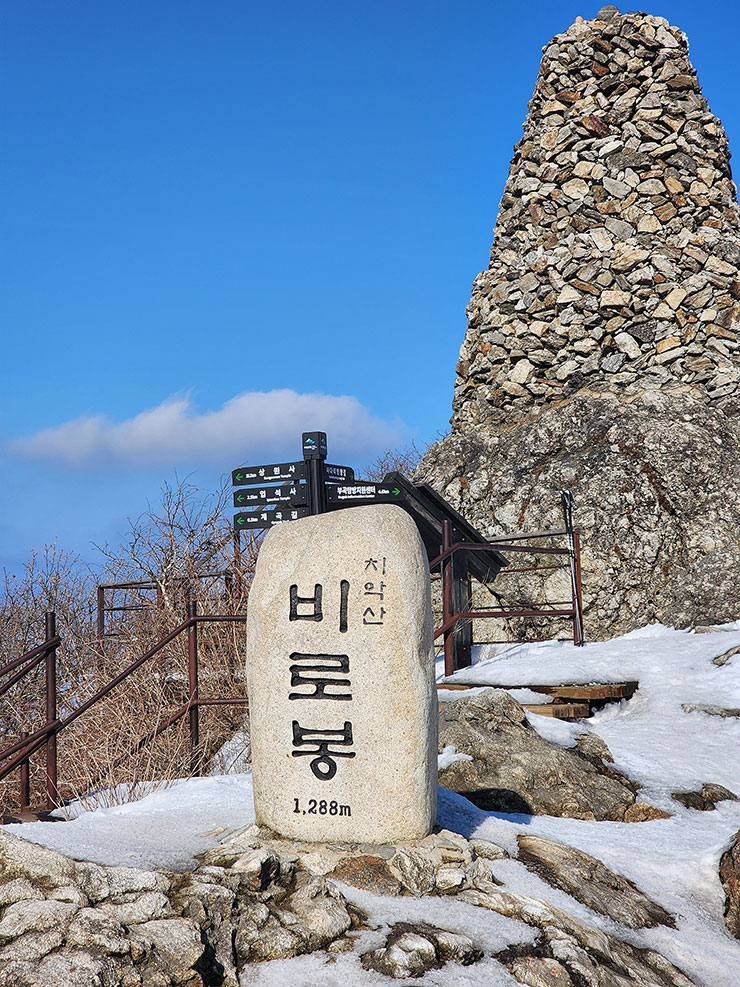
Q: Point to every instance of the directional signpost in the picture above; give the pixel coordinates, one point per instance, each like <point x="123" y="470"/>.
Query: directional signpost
<point x="273" y="473"/>
<point x="338" y="474"/>
<point x="282" y="492"/>
<point x="266" y="519"/>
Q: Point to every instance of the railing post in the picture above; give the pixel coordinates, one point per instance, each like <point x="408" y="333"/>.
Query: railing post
<point x="101" y="613"/>
<point x="25" y="779"/>
<point x="579" y="637"/>
<point x="238" y="563"/>
<point x="195" y="766"/>
<point x="52" y="792"/>
<point x="447" y="598"/>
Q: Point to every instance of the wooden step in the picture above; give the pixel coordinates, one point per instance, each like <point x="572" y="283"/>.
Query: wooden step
<point x="28" y="815"/>
<point x="595" y="692"/>
<point x="560" y="711"/>
<point x="570" y="702"/>
<point x="606" y="690"/>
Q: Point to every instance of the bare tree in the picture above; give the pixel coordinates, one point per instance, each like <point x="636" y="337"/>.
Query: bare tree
<point x="403" y="460"/>
<point x="184" y="549"/>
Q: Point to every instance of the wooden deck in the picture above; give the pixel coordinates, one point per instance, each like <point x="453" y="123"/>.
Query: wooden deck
<point x="570" y="702"/>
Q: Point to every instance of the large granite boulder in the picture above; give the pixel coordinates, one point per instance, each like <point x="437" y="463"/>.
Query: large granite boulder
<point x="656" y="481"/>
<point x="510" y="768"/>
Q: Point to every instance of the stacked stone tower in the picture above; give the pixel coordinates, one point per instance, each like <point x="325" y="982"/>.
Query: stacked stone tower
<point x="616" y="251"/>
<point x="602" y="350"/>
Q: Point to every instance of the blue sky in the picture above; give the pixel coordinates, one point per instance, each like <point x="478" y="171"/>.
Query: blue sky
<point x="226" y="222"/>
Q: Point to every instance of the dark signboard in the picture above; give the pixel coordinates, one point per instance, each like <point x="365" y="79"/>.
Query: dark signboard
<point x="272" y="473"/>
<point x="266" y="519"/>
<point x="288" y="493"/>
<point x="338" y="474"/>
<point x="314" y="445"/>
<point x="379" y="493"/>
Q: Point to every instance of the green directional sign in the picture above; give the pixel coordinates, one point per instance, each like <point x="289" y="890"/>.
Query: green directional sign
<point x="271" y="473"/>
<point x="287" y="493"/>
<point x="363" y="492"/>
<point x="249" y="521"/>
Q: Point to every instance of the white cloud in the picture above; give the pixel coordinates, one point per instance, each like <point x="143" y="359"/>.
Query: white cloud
<point x="247" y="428"/>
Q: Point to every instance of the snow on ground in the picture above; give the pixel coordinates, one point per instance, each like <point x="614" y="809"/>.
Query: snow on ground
<point x="652" y="739"/>
<point x="345" y="970"/>
<point x="164" y="829"/>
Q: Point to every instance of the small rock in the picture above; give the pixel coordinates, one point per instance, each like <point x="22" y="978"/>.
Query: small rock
<point x="576" y="188"/>
<point x="710" y="710"/>
<point x="35" y="916"/>
<point x="540" y="971"/>
<point x="449" y="879"/>
<point x="706" y="799"/>
<point x="522" y="371"/>
<point x="175" y="942"/>
<point x="414" y="872"/>
<point x="488" y="851"/>
<point x="19" y="889"/>
<point x="145" y="907"/>
<point x="367" y="872"/>
<point x="93" y="929"/>
<point x="322" y="910"/>
<point x="669" y="343"/>
<point x="726" y="655"/>
<point x="718" y="793"/>
<point x="259" y="868"/>
<point x="628" y="345"/>
<point x="406" y="955"/>
<point x="729" y="875"/>
<point x="411" y="950"/>
<point x="644" y="812"/>
<point x="614" y="299"/>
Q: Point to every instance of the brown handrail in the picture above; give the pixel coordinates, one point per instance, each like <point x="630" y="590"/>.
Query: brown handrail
<point x="47" y="735"/>
<point x="472" y="546"/>
<point x="22" y="673"/>
<point x="471" y="614"/>
<point x="39" y="649"/>
<point x="452" y="616"/>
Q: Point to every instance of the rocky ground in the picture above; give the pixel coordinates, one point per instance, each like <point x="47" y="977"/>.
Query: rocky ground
<point x="601" y="853"/>
<point x="257" y="899"/>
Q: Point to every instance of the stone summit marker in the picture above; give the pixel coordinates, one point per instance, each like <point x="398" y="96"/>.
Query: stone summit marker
<point x="340" y="669"/>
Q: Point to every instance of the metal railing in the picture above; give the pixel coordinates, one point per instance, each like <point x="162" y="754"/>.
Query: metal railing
<point x="148" y="585"/>
<point x="46" y="736"/>
<point x="28" y="744"/>
<point x="452" y="617"/>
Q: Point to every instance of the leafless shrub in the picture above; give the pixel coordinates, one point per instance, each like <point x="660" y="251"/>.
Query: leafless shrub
<point x="403" y="460"/>
<point x="183" y="550"/>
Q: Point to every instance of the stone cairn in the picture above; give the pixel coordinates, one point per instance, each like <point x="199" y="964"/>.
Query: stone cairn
<point x="616" y="254"/>
<point x="601" y="353"/>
